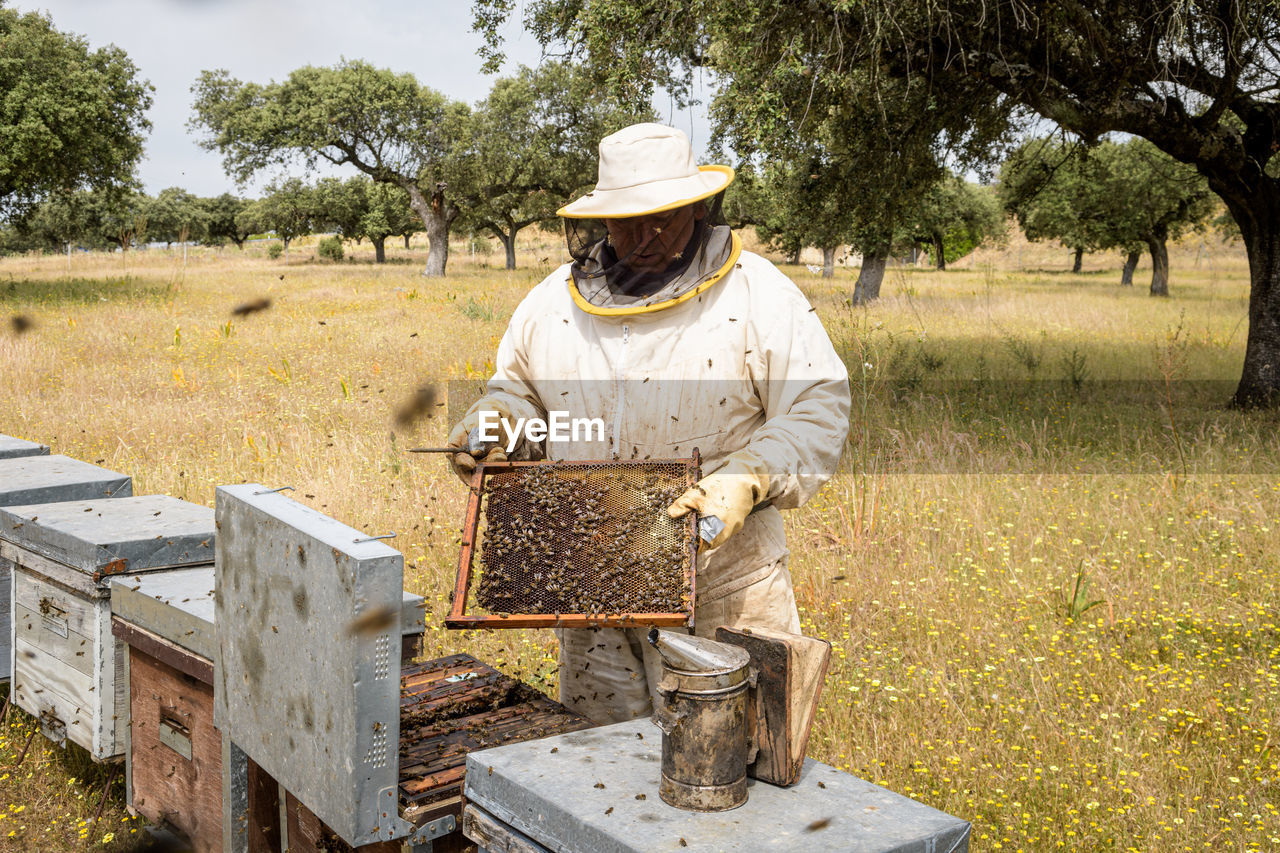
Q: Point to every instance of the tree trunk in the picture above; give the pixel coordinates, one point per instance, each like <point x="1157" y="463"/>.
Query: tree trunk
<point x="828" y="261"/>
<point x="379" y="248"/>
<point x="1076" y="264"/>
<point x="1159" y="264"/>
<point x="794" y="258"/>
<point x="867" y="287"/>
<point x="939" y="256"/>
<point x="435" y="215"/>
<point x="1130" y="264"/>
<point x="406" y="241"/>
<point x="509" y="243"/>
<point x="1258" y="215"/>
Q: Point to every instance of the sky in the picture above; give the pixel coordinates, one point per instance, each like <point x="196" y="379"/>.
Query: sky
<point x="172" y="41"/>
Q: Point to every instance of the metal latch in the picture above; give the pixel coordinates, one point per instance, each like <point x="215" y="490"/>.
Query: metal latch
<point x="174" y="734"/>
<point x="433" y="829"/>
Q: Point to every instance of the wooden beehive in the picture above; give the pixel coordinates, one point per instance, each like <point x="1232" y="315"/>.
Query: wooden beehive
<point x="302" y="610"/>
<point x="448" y="708"/>
<point x="67" y="669"/>
<point x="174" y="752"/>
<point x="28" y="475"/>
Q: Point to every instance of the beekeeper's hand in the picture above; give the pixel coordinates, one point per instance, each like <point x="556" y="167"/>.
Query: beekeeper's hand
<point x="471" y="446"/>
<point x="729" y="495"/>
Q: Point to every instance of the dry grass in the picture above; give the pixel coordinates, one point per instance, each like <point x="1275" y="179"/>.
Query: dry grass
<point x="1025" y="444"/>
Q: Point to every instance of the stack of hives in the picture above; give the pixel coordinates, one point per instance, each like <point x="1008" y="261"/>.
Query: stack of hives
<point x="116" y="651"/>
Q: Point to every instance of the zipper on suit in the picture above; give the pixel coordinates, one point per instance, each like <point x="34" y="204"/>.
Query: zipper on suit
<point x="619" y="374"/>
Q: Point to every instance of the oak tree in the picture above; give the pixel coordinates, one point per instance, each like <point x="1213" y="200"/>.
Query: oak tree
<point x="1198" y="80"/>
<point x="70" y="117"/>
<point x="385" y="124"/>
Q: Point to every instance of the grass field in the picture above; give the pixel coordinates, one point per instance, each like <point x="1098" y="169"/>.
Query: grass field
<point x="1047" y="565"/>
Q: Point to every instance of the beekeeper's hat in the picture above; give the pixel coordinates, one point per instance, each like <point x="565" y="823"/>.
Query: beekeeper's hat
<point x="647" y="168"/>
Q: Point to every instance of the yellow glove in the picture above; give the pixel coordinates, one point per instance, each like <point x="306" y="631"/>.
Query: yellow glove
<point x="465" y="437"/>
<point x="729" y="495"/>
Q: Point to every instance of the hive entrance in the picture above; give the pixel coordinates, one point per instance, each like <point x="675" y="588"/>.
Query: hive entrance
<point x="576" y="543"/>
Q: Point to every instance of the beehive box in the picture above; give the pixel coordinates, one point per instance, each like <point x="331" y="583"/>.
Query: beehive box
<point x="448" y="708"/>
<point x="596" y="790"/>
<point x="173" y="751"/>
<point x="11" y="448"/>
<point x="173" y="754"/>
<point x="38" y="478"/>
<point x="67" y="669"/>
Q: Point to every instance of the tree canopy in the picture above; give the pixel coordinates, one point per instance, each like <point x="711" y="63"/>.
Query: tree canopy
<point x="175" y="215"/>
<point x="1197" y="80"/>
<point x="532" y="145"/>
<point x="955" y="217"/>
<point x="70" y="117"/>
<point x="385" y="124"/>
<point x="1116" y="195"/>
<point x="287" y="208"/>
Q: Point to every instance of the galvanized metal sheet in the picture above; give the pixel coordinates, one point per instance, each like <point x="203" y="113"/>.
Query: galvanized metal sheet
<point x="44" y="479"/>
<point x="176" y="605"/>
<point x="413" y="614"/>
<point x="12" y="448"/>
<point x="578" y="792"/>
<point x="113" y="537"/>
<point x="307" y="675"/>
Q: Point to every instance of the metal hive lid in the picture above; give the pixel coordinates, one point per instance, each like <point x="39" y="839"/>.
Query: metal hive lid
<point x="112" y="537"/>
<point x="176" y="605"/>
<point x="43" y="479"/>
<point x="293" y="586"/>
<point x="11" y="447"/>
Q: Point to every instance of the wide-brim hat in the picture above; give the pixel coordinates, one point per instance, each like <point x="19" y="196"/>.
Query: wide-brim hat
<point x="647" y="168"/>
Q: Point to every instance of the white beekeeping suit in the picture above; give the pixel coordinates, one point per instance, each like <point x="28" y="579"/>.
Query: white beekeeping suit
<point x="698" y="345"/>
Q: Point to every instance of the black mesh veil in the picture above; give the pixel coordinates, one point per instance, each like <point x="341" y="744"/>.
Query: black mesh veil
<point x="601" y="275"/>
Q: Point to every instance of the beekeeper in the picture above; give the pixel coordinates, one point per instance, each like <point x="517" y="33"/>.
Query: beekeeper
<point x="664" y="328"/>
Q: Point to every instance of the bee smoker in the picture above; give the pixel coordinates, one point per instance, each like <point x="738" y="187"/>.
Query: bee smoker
<point x="703" y="717"/>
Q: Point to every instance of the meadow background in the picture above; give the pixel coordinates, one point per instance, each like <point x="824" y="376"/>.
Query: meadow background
<point x="1047" y="563"/>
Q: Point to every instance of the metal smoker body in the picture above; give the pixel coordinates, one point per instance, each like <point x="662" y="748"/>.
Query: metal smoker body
<point x="703" y="717"/>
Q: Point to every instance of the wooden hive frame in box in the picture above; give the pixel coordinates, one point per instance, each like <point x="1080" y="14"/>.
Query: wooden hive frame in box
<point x="620" y="485"/>
<point x="308" y="683"/>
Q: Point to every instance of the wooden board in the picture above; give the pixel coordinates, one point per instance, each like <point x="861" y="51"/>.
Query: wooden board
<point x="6" y="619"/>
<point x="791" y="670"/>
<point x="44" y="686"/>
<point x="264" y="811"/>
<point x="169" y="708"/>
<point x="64" y="648"/>
<point x="494" y="836"/>
<point x="455" y="705"/>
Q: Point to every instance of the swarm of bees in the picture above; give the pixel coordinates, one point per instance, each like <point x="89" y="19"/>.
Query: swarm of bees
<point x="585" y="539"/>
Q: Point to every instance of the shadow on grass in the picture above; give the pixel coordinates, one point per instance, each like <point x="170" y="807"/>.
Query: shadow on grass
<point x="1102" y="272"/>
<point x="64" y="291"/>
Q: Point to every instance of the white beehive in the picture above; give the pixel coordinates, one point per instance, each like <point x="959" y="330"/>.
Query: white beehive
<point x="28" y="475"/>
<point x="67" y="667"/>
